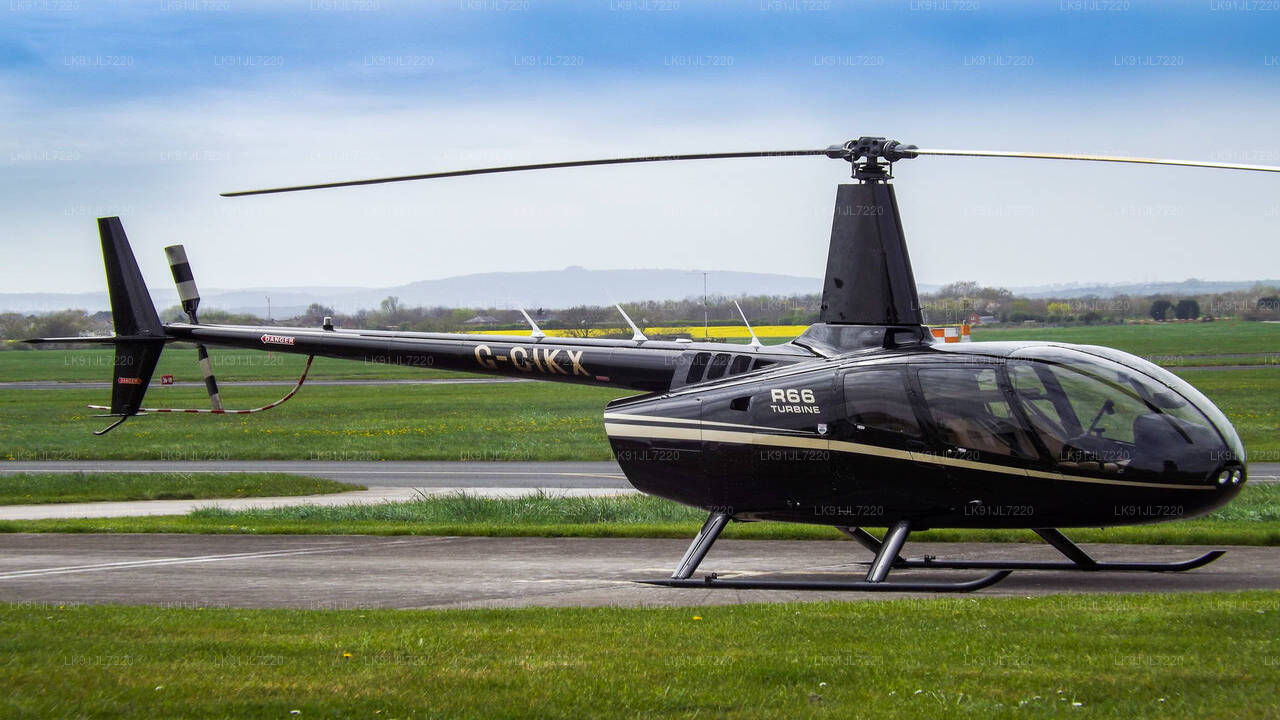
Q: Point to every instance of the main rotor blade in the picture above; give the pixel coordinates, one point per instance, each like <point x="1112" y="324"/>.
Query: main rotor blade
<point x="537" y="166"/>
<point x="1093" y="158"/>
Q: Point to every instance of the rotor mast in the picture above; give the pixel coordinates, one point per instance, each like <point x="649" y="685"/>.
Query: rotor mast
<point x="869" y="286"/>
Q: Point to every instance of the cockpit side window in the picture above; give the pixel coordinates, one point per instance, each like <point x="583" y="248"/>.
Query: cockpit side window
<point x="970" y="411"/>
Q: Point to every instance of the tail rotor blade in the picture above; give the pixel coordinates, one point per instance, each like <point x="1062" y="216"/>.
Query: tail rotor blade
<point x="210" y="383"/>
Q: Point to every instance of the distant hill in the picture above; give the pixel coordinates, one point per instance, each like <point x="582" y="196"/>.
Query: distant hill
<point x="549" y="288"/>
<point x="1178" y="289"/>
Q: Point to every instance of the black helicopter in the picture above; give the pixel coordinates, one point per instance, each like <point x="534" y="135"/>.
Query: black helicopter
<point x="863" y="420"/>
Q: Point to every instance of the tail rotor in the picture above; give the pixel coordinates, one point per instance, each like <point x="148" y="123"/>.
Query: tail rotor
<point x="189" y="295"/>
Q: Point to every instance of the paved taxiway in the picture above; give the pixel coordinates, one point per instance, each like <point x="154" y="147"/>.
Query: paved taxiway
<point x="319" y="572"/>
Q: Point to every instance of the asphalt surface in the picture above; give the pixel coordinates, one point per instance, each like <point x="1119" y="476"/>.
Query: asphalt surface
<point x="326" y="572"/>
<point x="410" y="474"/>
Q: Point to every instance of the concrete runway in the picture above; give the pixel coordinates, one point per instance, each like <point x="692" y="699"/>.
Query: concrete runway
<point x="327" y="572"/>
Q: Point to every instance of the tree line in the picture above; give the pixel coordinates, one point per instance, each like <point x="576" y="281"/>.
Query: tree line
<point x="953" y="303"/>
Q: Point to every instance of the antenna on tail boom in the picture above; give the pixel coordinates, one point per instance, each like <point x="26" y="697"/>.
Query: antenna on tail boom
<point x="636" y="335"/>
<point x="755" y="341"/>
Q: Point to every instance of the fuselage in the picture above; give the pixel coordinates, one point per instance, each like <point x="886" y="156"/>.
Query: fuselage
<point x="977" y="435"/>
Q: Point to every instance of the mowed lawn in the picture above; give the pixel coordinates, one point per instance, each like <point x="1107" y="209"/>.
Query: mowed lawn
<point x="1122" y="656"/>
<point x="1166" y="342"/>
<point x="95" y="365"/>
<point x="512" y="421"/>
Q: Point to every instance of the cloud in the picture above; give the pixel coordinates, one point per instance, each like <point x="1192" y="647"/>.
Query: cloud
<point x="157" y="142"/>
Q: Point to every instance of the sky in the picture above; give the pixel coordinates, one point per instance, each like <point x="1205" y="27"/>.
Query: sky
<point x="148" y="110"/>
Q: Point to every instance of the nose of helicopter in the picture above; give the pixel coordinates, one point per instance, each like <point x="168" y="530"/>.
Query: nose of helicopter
<point x="1235" y="453"/>
<point x="1162" y="427"/>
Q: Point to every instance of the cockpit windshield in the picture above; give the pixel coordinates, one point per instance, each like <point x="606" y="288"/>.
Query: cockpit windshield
<point x="1094" y="414"/>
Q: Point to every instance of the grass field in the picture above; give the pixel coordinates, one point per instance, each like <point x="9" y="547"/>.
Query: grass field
<point x="229" y="365"/>
<point x="524" y="421"/>
<point x="1166" y="342"/>
<point x="1128" y="656"/>
<point x="32" y="488"/>
<point x="460" y="422"/>
<point x="1170" y="344"/>
<point x="1251" y="519"/>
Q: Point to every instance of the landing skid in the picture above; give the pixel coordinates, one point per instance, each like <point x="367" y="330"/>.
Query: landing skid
<point x="1078" y="559"/>
<point x="711" y="581"/>
<point x="886" y="559"/>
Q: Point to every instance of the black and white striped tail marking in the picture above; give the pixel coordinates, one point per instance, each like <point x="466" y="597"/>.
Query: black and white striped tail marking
<point x="210" y="383"/>
<point x="182" y="276"/>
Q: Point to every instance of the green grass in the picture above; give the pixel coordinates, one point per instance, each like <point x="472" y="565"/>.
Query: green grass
<point x="529" y="421"/>
<point x="524" y="421"/>
<point x="1128" y="656"/>
<point x="1167" y="344"/>
<point x="1165" y="341"/>
<point x="1251" y="400"/>
<point x="32" y="488"/>
<point x="1253" y="518"/>
<point x="95" y="365"/>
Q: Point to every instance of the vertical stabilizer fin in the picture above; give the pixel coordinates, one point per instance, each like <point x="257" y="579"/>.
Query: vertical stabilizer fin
<point x="131" y="308"/>
<point x="139" y="335"/>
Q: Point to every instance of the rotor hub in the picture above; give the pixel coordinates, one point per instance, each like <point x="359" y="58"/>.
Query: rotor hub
<point x="872" y="157"/>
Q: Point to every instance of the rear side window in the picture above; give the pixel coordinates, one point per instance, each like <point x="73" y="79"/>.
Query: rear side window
<point x="719" y="364"/>
<point x="741" y="363"/>
<point x="877" y="400"/>
<point x="970" y="411"/>
<point x="697" y="367"/>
